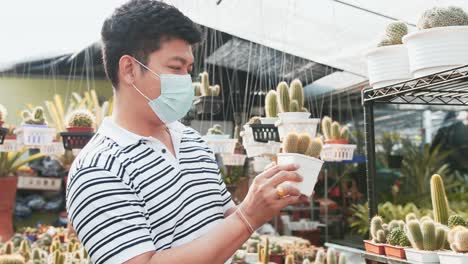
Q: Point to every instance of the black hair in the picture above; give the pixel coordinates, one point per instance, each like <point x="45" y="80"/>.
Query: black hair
<point x="138" y="27"/>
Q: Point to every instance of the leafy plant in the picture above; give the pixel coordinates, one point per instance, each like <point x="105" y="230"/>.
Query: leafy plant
<point x="10" y="162"/>
<point x="233" y="174"/>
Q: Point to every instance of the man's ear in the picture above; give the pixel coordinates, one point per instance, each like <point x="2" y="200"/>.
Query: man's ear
<point x="127" y="70"/>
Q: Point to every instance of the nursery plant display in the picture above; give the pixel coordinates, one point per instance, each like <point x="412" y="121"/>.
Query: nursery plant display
<point x="80" y="129"/>
<point x="218" y="141"/>
<point x="34" y="131"/>
<point x="337" y="147"/>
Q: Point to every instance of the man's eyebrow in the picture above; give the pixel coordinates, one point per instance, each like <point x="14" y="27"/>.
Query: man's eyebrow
<point x="178" y="58"/>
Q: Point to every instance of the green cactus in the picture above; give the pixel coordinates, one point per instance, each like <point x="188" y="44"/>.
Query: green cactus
<point x="428" y="232"/>
<point x="425" y="218"/>
<point x="344" y="133"/>
<point x="426" y="235"/>
<point x="282" y="92"/>
<point x="8" y="248"/>
<point x="410" y="216"/>
<point x="342" y="259"/>
<point x="197" y="88"/>
<point x="395" y="31"/>
<point x="271" y="104"/>
<point x="384" y="42"/>
<point x="315" y="148"/>
<point x="34" y="118"/>
<point x="331" y="256"/>
<point x="443" y="17"/>
<point x="439" y="200"/>
<point x="81" y="118"/>
<point x="440" y="236"/>
<point x="290" y="144"/>
<point x="456" y="220"/>
<point x="335" y="130"/>
<point x="377" y="231"/>
<point x="289" y="259"/>
<point x="294" y="106"/>
<point x="264" y="253"/>
<point x="415" y="235"/>
<point x="459" y="240"/>
<point x="205" y="84"/>
<point x="397" y="237"/>
<point x="320" y="257"/>
<point x="12" y="259"/>
<point x="303" y="143"/>
<point x="392" y="225"/>
<point x="215" y="130"/>
<point x="296" y="92"/>
<point x="327" y="127"/>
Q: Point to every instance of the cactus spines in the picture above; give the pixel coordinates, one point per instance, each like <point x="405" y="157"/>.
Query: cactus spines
<point x="344" y="133"/>
<point x="456" y="220"/>
<point x="392" y="225"/>
<point x="440" y="236"/>
<point x="342" y="259"/>
<point x="205" y="88"/>
<point x="376" y="230"/>
<point x="442" y="17"/>
<point x="331" y="256"/>
<point x="320" y="257"/>
<point x="335" y="130"/>
<point x="8" y="248"/>
<point x="303" y="143"/>
<point x="315" y="148"/>
<point x="282" y="92"/>
<point x="290" y="144"/>
<point x="384" y="42"/>
<point x="397" y="237"/>
<point x="197" y="88"/>
<point x="264" y="253"/>
<point x="460" y="240"/>
<point x="289" y="259"/>
<point x="294" y="106"/>
<point x="439" y="200"/>
<point x="414" y="234"/>
<point x="410" y="216"/>
<point x="327" y="127"/>
<point x="81" y="118"/>
<point x="428" y="233"/>
<point x="395" y="31"/>
<point x="296" y="92"/>
<point x="271" y="104"/>
<point x="11" y="259"/>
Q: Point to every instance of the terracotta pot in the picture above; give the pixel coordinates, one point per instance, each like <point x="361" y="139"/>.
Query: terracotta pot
<point x="10" y="137"/>
<point x="374" y="248"/>
<point x="395" y="251"/>
<point x="80" y="129"/>
<point x="8" y="186"/>
<point x="337" y="141"/>
<point x="277" y="258"/>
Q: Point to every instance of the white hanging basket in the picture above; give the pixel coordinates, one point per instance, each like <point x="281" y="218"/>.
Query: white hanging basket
<point x="259" y="149"/>
<point x="309" y="169"/>
<point x="299" y="126"/>
<point x="221" y="145"/>
<point x="55" y="148"/>
<point x="450" y="257"/>
<point x="337" y="152"/>
<point x="10" y="145"/>
<point x="437" y="49"/>
<point x="233" y="159"/>
<point x="388" y="65"/>
<point x="34" y="136"/>
<point x="259" y="163"/>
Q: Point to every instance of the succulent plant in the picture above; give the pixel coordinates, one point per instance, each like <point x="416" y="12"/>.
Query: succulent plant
<point x="320" y="257"/>
<point x="197" y="88"/>
<point x="327" y="127"/>
<point x="377" y="231"/>
<point x="290" y="143"/>
<point x="271" y="104"/>
<point x="303" y="143"/>
<point x="296" y="92"/>
<point x="426" y="235"/>
<point x="458" y="239"/>
<point x="439" y="200"/>
<point x="36" y="117"/>
<point x="289" y="259"/>
<point x="294" y="106"/>
<point x="81" y="118"/>
<point x="12" y="259"/>
<point x="397" y="237"/>
<point x="344" y="133"/>
<point x="411" y="216"/>
<point x="335" y="130"/>
<point x="315" y="148"/>
<point x="443" y="17"/>
<point x="215" y="130"/>
<point x="331" y="256"/>
<point x="282" y="91"/>
<point x="395" y="31"/>
<point x="456" y="220"/>
<point x="264" y="253"/>
<point x="205" y="88"/>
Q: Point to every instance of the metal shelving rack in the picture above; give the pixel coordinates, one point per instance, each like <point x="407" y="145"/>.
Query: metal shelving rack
<point x="448" y="87"/>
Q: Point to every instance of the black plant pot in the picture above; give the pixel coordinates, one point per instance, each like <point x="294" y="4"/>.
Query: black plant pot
<point x="76" y="140"/>
<point x="395" y="161"/>
<point x="265" y="132"/>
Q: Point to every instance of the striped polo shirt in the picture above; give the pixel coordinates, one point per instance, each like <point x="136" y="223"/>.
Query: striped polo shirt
<point x="127" y="194"/>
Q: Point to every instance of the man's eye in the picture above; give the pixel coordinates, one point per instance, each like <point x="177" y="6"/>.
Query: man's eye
<point x="175" y="68"/>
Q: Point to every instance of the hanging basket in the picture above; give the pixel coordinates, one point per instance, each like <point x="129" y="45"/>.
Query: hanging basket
<point x="337" y="152"/>
<point x="264" y="133"/>
<point x="259" y="149"/>
<point x="10" y="144"/>
<point x="35" y="135"/>
<point x="56" y="148"/>
<point x="75" y="140"/>
<point x="233" y="159"/>
<point x="259" y="163"/>
<point x="3" y="133"/>
<point x="308" y="126"/>
<point x="221" y="145"/>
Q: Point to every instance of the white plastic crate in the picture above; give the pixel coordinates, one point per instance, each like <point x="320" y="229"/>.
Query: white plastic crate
<point x="10" y="145"/>
<point x="259" y="163"/>
<point x="39" y="183"/>
<point x="247" y="138"/>
<point x="233" y="159"/>
<point x="221" y="145"/>
<point x="299" y="126"/>
<point x="337" y="152"/>
<point x="35" y="135"/>
<point x="55" y="148"/>
<point x="259" y="149"/>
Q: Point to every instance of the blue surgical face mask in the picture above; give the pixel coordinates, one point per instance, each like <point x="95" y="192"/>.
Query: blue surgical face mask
<point x="176" y="96"/>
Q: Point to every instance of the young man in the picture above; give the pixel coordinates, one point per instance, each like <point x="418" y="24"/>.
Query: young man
<point x="147" y="189"/>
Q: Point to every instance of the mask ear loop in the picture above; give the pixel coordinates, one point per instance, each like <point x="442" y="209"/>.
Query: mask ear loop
<point x="147" y="98"/>
<point x="146" y="67"/>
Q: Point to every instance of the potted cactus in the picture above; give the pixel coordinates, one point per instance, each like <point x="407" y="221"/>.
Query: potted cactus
<point x="264" y="253"/>
<point x="277" y="254"/>
<point x="80" y="129"/>
<point x="426" y="237"/>
<point x="271" y="108"/>
<point x="441" y="42"/>
<point x="388" y="63"/>
<point x="303" y="150"/>
<point x="458" y="241"/>
<point x="207" y="99"/>
<point x="291" y="101"/>
<point x="378" y="231"/>
<point x="218" y="141"/>
<point x="34" y="131"/>
<point x="397" y="241"/>
<point x="337" y="147"/>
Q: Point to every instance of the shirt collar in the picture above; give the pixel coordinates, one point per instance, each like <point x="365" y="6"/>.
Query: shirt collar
<point x="124" y="137"/>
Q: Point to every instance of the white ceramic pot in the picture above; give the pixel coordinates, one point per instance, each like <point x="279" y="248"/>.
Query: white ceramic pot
<point x="268" y="120"/>
<point x="421" y="256"/>
<point x="437" y="49"/>
<point x="388" y="65"/>
<point x="293" y="116"/>
<point x="450" y="257"/>
<point x="309" y="169"/>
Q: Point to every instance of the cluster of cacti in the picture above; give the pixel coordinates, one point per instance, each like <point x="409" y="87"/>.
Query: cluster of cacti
<point x="3" y="114"/>
<point x="289" y="259"/>
<point x="320" y="257"/>
<point x="271" y="104"/>
<point x="36" y="117"/>
<point x="396" y="224"/>
<point x="458" y="239"/>
<point x="264" y="252"/>
<point x="81" y="118"/>
<point x="215" y="130"/>
<point x="397" y="237"/>
<point x="197" y="88"/>
<point x="205" y="88"/>
<point x="302" y="144"/>
<point x="11" y="259"/>
<point x="456" y="220"/>
<point x="426" y="235"/>
<point x="332" y="130"/>
<point x="332" y="258"/>
<point x="394" y="33"/>
<point x="443" y="17"/>
<point x="289" y="99"/>
<point x="378" y="231"/>
<point x="440" y="206"/>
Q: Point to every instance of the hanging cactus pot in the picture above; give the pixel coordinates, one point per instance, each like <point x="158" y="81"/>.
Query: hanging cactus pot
<point x="450" y="257"/>
<point x="34" y="135"/>
<point x="437" y="49"/>
<point x="76" y="137"/>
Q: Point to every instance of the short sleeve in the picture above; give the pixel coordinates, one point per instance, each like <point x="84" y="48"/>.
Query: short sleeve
<point x="108" y="216"/>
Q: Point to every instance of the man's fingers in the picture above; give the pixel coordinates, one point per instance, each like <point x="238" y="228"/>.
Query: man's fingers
<point x="287" y="189"/>
<point x="277" y="169"/>
<point x="283" y="176"/>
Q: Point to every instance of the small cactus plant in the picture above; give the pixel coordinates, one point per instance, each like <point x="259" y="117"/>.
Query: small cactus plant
<point x="197" y="88"/>
<point x="439" y="200"/>
<point x="271" y="104"/>
<point x="81" y="118"/>
<point x="296" y="92"/>
<point x="443" y="17"/>
<point x="458" y="239"/>
<point x="12" y="259"/>
<point x="303" y="143"/>
<point x="395" y="31"/>
<point x="397" y="237"/>
<point x="456" y="220"/>
<point x="315" y="148"/>
<point x="282" y="91"/>
<point x="333" y="131"/>
<point x="264" y="253"/>
<point x="291" y="142"/>
<point x="377" y="231"/>
<point x="331" y="256"/>
<point x="294" y="106"/>
<point x="425" y="235"/>
<point x="410" y="216"/>
<point x="36" y="117"/>
<point x="327" y="127"/>
<point x="320" y="257"/>
<point x="205" y="88"/>
<point x="215" y="130"/>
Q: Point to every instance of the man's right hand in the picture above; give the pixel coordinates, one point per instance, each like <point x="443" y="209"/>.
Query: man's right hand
<point x="263" y="201"/>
